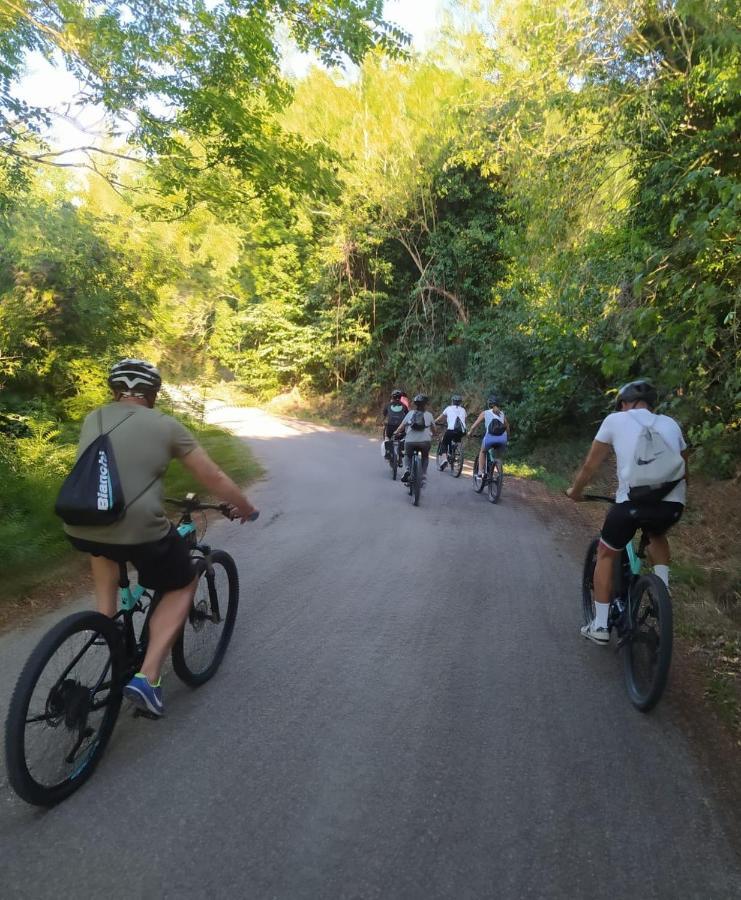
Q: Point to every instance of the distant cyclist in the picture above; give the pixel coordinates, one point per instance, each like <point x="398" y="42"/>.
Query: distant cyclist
<point x="419" y="427"/>
<point x="496" y="431"/>
<point x="455" y="416"/>
<point x="655" y="512"/>
<point x="393" y="413"/>
<point x="144" y="441"/>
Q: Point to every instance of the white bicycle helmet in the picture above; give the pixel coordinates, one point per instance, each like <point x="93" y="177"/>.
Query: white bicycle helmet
<point x="130" y="374"/>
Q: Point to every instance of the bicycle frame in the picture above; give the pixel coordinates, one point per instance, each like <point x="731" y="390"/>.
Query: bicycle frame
<point x="130" y="597"/>
<point x="633" y="559"/>
<point x="416" y="454"/>
<point x="630" y="563"/>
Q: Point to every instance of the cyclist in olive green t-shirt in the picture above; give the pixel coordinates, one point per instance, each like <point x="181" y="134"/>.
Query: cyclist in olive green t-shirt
<point x="144" y="441"/>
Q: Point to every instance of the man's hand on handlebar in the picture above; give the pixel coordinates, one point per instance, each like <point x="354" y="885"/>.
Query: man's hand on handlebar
<point x="245" y="512"/>
<point x="574" y="495"/>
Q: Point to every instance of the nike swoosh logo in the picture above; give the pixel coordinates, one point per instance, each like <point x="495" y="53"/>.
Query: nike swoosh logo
<point x="645" y="462"/>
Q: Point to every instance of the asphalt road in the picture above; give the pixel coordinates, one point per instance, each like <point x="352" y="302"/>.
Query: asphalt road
<point x="406" y="711"/>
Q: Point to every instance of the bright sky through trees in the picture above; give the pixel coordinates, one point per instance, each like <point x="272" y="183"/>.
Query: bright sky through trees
<point x="76" y="125"/>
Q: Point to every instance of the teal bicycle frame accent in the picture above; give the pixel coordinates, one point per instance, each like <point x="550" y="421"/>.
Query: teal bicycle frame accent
<point x="633" y="559"/>
<point x="128" y="597"/>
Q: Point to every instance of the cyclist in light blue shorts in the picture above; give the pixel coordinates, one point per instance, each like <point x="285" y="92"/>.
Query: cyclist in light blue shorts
<point x="496" y="430"/>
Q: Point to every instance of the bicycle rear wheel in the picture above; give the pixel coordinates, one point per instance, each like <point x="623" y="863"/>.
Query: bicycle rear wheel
<point x="647" y="653"/>
<point x="200" y="647"/>
<point x="394" y="462"/>
<point x="496" y="476"/>
<point x="63" y="708"/>
<point x="457" y="466"/>
<point x="416" y="479"/>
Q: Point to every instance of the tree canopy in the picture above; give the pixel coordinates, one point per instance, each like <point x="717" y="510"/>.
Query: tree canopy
<point x="547" y="202"/>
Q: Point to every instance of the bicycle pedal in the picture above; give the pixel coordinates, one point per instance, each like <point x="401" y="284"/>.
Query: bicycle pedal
<point x="145" y="714"/>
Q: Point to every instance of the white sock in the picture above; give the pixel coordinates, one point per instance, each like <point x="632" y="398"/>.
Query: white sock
<point x="663" y="573"/>
<point x="601" y="612"/>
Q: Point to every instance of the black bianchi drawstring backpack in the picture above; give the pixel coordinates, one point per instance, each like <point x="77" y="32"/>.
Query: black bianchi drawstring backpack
<point x="92" y="494"/>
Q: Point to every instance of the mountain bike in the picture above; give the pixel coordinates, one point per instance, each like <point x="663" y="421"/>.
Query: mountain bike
<point x="453" y="457"/>
<point x="492" y="478"/>
<point x="640" y="614"/>
<point x="68" y="696"/>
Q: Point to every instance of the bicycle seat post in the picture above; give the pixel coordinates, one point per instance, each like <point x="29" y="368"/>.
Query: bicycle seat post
<point x="123" y="576"/>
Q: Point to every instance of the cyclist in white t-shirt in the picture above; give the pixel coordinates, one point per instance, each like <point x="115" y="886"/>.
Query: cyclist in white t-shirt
<point x="455" y="415"/>
<point x="620" y="431"/>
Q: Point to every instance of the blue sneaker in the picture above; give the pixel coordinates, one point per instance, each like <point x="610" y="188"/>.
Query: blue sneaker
<point x="145" y="695"/>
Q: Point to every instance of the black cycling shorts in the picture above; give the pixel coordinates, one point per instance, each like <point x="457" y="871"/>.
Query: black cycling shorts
<point x="163" y="565"/>
<point x="624" y="519"/>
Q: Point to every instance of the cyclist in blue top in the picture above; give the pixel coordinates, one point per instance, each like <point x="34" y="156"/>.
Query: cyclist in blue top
<point x="496" y="431"/>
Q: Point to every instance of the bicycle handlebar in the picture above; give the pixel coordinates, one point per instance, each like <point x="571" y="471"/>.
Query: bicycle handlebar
<point x="193" y="504"/>
<point x="601" y="497"/>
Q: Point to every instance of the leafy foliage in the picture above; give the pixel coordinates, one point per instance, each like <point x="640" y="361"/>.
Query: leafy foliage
<point x="547" y="204"/>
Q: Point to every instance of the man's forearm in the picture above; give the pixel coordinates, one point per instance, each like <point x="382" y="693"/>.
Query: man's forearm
<point x="583" y="477"/>
<point x="224" y="488"/>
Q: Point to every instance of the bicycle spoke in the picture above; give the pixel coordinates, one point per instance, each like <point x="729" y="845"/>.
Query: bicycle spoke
<point x="201" y="638"/>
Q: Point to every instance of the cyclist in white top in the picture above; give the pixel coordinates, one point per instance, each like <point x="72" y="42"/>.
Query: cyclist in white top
<point x="455" y="415"/>
<point x="620" y="431"/>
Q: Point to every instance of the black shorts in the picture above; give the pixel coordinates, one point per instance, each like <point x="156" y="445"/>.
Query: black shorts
<point x="163" y="565"/>
<point x="624" y="519"/>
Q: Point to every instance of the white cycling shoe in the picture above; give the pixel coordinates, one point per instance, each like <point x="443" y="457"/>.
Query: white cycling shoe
<point x="593" y="632"/>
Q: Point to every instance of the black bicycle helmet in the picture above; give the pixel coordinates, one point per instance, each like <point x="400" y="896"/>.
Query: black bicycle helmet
<point x="492" y="400"/>
<point x="456" y="399"/>
<point x="396" y="395"/>
<point x="421" y="398"/>
<point x="130" y="374"/>
<point x="637" y="390"/>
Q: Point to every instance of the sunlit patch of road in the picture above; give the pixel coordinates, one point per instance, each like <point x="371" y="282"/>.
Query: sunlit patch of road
<point x="256" y="423"/>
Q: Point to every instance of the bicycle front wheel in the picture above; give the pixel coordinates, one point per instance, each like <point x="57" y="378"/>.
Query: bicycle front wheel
<point x="587" y="583"/>
<point x="200" y="647"/>
<point x="496" y="476"/>
<point x="441" y="457"/>
<point x="647" y="653"/>
<point x="477" y="481"/>
<point x="63" y="709"/>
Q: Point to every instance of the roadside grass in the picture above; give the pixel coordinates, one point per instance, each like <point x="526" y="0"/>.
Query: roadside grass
<point x="34" y="551"/>
<point x="229" y="451"/>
